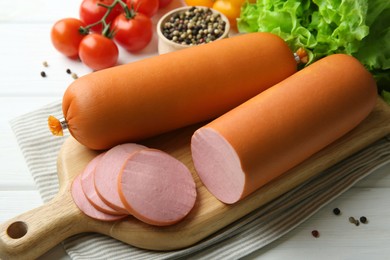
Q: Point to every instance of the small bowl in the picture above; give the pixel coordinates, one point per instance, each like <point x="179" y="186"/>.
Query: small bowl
<point x="165" y="45"/>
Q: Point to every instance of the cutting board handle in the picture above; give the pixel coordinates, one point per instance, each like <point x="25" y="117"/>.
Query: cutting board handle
<point x="33" y="233"/>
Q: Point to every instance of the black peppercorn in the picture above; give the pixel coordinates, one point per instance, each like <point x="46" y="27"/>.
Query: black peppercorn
<point x="43" y="74"/>
<point x="336" y="211"/>
<point x="68" y="71"/>
<point x="363" y="220"/>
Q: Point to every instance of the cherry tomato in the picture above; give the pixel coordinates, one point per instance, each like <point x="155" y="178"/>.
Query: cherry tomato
<point x="231" y="11"/>
<point x="208" y="3"/>
<point x="147" y="7"/>
<point x="66" y="37"/>
<point x="163" y="3"/>
<point x="98" y="52"/>
<point x="134" y="33"/>
<point x="90" y="12"/>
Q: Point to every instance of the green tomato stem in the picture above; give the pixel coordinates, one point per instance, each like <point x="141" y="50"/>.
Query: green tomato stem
<point x="130" y="12"/>
<point x="106" y="31"/>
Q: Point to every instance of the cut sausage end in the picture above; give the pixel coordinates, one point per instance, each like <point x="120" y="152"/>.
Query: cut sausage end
<point x="156" y="188"/>
<point x="266" y="136"/>
<point x="218" y="165"/>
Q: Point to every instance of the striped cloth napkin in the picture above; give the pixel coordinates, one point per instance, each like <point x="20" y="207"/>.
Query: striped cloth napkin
<point x="241" y="238"/>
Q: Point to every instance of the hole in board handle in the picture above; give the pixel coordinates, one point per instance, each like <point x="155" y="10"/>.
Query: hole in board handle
<point x="17" y="230"/>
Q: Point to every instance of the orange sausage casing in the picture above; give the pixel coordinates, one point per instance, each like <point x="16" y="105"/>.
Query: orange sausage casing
<point x="276" y="130"/>
<point x="145" y="98"/>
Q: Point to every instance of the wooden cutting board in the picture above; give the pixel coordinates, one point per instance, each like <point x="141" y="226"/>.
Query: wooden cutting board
<point x="33" y="233"/>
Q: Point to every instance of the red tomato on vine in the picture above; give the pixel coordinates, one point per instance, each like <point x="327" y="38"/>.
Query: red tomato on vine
<point x="147" y="7"/>
<point x="91" y="12"/>
<point x="98" y="52"/>
<point x="133" y="33"/>
<point x="66" y="36"/>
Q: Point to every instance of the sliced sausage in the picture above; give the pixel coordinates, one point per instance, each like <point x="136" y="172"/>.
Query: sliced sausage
<point x="86" y="207"/>
<point x="156" y="188"/>
<point x="269" y="134"/>
<point x="107" y="171"/>
<point x="88" y="185"/>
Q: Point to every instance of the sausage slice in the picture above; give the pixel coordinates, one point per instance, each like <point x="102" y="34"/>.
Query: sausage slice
<point x="107" y="171"/>
<point x="156" y="188"/>
<point x="85" y="206"/>
<point x="88" y="185"/>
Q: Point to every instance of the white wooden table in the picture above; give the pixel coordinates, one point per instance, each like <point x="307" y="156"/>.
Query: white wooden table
<point x="25" y="44"/>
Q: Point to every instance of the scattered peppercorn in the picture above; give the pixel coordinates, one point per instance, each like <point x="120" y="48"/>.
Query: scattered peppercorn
<point x="45" y="64"/>
<point x="74" y="75"/>
<point x="336" y="211"/>
<point x="193" y="27"/>
<point x="315" y="233"/>
<point x="68" y="71"/>
<point x="354" y="221"/>
<point x="43" y="74"/>
<point x="363" y="220"/>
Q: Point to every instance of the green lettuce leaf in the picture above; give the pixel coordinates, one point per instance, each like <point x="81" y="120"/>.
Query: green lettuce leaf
<point x="360" y="28"/>
<point x="374" y="52"/>
<point x="386" y="96"/>
<point x="322" y="27"/>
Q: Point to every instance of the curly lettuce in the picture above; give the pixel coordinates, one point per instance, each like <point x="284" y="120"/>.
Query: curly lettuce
<point x="374" y="51"/>
<point x="322" y="27"/>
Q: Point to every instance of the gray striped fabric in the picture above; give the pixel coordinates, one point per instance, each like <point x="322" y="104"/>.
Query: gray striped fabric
<point x="241" y="238"/>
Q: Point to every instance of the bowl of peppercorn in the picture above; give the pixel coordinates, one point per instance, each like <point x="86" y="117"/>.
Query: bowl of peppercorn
<point x="189" y="26"/>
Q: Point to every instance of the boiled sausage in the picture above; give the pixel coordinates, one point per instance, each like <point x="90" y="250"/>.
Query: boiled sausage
<point x="86" y="207"/>
<point x="88" y="184"/>
<point x="269" y="134"/>
<point x="156" y="188"/>
<point x="107" y="172"/>
<point x="149" y="97"/>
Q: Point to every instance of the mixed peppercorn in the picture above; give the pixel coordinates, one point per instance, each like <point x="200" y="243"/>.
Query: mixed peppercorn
<point x="336" y="211"/>
<point x="68" y="71"/>
<point x="193" y="27"/>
